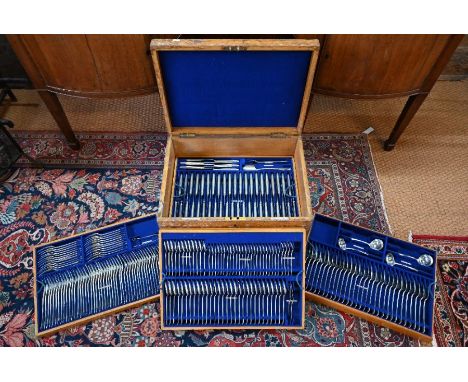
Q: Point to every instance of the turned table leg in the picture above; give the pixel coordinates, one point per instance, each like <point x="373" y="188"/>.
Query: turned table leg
<point x="55" y="107"/>
<point x="411" y="107"/>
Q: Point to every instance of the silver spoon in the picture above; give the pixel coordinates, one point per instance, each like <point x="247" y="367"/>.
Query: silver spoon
<point x="251" y="167"/>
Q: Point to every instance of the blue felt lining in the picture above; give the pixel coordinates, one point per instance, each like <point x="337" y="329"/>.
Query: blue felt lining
<point x="234" y="89"/>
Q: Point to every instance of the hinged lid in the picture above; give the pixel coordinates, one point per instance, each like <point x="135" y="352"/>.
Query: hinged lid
<point x="235" y="86"/>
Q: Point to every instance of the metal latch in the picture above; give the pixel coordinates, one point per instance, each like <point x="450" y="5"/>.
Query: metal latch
<point x="187" y="135"/>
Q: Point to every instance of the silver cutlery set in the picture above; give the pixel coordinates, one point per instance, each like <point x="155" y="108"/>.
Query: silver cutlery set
<point x="198" y="258"/>
<point x="346" y="276"/>
<point x="219" y="279"/>
<point x="230" y="302"/>
<point x="55" y="257"/>
<point x="104" y="244"/>
<point x="98" y="286"/>
<point x="392" y="258"/>
<point x="214" y="164"/>
<point x="210" y="280"/>
<point x="395" y="258"/>
<point x="234" y="188"/>
<point x="94" y="273"/>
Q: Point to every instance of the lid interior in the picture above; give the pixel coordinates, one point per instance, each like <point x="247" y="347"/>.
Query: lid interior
<point x="217" y="88"/>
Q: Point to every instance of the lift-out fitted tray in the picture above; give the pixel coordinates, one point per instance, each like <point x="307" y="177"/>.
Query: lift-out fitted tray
<point x="95" y="273"/>
<point x="371" y="275"/>
<point x="232" y="279"/>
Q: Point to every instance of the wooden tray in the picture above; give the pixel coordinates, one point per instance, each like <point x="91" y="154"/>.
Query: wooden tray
<point x="92" y="317"/>
<point x="299" y="277"/>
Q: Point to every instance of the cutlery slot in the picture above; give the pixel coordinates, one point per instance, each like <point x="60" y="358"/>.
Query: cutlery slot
<point x="406" y="257"/>
<point x="60" y="256"/>
<point x="106" y="242"/>
<point x="142" y="233"/>
<point x="231" y="302"/>
<point x="238" y="187"/>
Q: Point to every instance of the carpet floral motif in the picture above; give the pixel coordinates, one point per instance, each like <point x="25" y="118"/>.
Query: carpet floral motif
<point x="38" y="205"/>
<point x="97" y="149"/>
<point x="451" y="294"/>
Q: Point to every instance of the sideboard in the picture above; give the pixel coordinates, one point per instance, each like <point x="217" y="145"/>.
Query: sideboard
<point x="350" y="66"/>
<point x="85" y="66"/>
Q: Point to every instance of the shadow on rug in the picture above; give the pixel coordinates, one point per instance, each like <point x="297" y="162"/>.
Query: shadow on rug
<point x="39" y="205"/>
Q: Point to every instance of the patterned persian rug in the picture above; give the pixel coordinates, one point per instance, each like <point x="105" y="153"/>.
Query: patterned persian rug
<point x="107" y="150"/>
<point x="451" y="295"/>
<point x="118" y="176"/>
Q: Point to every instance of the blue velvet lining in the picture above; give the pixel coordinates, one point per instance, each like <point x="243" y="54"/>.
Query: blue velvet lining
<point x="326" y="277"/>
<point x="234" y="89"/>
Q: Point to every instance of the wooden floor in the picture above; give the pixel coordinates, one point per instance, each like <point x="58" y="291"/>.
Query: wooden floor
<point x="424" y="180"/>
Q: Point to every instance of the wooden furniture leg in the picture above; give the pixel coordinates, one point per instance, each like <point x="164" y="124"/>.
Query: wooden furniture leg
<point x="410" y="109"/>
<point x="55" y="107"/>
<point x="6" y="91"/>
<point x="11" y="95"/>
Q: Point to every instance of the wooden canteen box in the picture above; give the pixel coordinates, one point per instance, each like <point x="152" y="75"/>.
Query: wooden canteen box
<point x="234" y="244"/>
<point x="234" y="110"/>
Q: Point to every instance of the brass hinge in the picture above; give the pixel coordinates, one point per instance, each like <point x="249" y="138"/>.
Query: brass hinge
<point x="278" y="135"/>
<point x="187" y="135"/>
<point x="234" y="48"/>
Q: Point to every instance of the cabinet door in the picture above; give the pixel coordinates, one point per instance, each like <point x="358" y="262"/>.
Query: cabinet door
<point x="377" y="65"/>
<point x="123" y="62"/>
<point x="64" y="62"/>
<point x="92" y="65"/>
